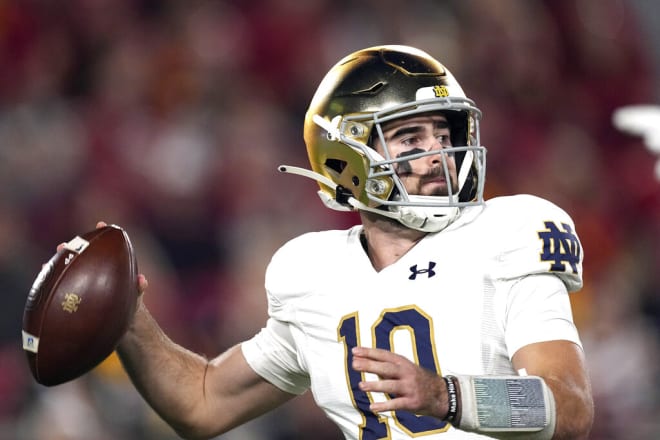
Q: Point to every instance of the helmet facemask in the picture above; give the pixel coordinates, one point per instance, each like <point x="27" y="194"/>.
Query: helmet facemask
<point x="384" y="187"/>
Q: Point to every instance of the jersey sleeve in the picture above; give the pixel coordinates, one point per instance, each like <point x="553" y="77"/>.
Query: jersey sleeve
<point x="538" y="309"/>
<point x="534" y="236"/>
<point x="272" y="355"/>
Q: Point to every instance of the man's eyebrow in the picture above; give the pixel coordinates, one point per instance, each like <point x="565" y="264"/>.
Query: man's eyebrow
<point x="412" y="129"/>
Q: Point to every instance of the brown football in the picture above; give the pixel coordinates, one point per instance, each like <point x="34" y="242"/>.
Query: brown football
<point x="80" y="305"/>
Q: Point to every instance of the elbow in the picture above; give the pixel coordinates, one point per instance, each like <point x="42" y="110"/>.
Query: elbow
<point x="195" y="428"/>
<point x="587" y="420"/>
<point x="578" y="421"/>
<point x="189" y="435"/>
<point x="185" y="435"/>
<point x="192" y="432"/>
<point x="579" y="431"/>
<point x="584" y="426"/>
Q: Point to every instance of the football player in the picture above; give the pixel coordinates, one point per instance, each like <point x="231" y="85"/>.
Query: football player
<point x="441" y="315"/>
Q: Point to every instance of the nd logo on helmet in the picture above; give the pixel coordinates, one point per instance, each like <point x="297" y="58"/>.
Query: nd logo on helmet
<point x="441" y="91"/>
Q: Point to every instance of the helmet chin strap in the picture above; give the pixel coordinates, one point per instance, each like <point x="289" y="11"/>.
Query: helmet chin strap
<point x="406" y="215"/>
<point x="427" y="219"/>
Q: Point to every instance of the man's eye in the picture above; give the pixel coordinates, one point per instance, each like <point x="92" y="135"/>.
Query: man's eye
<point x="443" y="138"/>
<point x="410" y="141"/>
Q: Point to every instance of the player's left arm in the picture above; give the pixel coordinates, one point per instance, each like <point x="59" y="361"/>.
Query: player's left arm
<point x="561" y="364"/>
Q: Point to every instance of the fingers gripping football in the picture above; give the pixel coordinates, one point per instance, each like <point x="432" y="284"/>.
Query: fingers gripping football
<point x="408" y="386"/>
<point x="142" y="282"/>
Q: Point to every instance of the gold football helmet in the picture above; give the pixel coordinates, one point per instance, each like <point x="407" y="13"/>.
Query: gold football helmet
<point x="360" y="93"/>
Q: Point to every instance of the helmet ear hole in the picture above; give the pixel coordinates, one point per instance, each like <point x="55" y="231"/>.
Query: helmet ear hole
<point x="336" y="165"/>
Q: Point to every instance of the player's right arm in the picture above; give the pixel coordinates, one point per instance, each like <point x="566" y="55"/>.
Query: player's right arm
<point x="198" y="398"/>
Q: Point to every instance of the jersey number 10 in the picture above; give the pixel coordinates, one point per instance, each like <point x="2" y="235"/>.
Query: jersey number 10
<point x="419" y="325"/>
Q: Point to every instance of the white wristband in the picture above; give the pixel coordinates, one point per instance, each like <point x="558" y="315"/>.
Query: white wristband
<point x="501" y="405"/>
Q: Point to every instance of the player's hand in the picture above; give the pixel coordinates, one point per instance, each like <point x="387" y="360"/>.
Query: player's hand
<point x="143" y="283"/>
<point x="409" y="386"/>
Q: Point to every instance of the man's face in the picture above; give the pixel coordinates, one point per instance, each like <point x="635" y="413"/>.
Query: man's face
<point x="418" y="134"/>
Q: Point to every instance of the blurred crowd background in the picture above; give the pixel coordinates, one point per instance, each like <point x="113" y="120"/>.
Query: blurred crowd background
<point x="169" y="118"/>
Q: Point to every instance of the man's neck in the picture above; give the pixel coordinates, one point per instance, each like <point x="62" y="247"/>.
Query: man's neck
<point x="385" y="240"/>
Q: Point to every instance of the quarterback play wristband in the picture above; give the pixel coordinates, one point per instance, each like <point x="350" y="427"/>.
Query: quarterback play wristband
<point x="452" y="399"/>
<point x="498" y="405"/>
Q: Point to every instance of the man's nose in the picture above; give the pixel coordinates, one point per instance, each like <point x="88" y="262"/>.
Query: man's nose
<point x="439" y="152"/>
<point x="435" y="146"/>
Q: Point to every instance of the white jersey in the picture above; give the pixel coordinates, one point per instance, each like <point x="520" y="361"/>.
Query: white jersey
<point x="461" y="301"/>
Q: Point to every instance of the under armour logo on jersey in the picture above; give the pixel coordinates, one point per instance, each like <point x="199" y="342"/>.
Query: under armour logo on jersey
<point x="559" y="247"/>
<point x="430" y="272"/>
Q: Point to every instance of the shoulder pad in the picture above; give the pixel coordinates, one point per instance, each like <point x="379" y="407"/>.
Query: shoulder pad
<point x="297" y="268"/>
<point x="532" y="235"/>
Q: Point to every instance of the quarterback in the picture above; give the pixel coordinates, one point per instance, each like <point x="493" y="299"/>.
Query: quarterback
<point x="441" y="316"/>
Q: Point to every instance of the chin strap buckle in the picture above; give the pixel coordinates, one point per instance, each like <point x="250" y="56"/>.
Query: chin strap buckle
<point x="342" y="195"/>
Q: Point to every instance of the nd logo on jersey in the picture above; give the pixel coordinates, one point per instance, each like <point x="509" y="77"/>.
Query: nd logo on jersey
<point x="560" y="246"/>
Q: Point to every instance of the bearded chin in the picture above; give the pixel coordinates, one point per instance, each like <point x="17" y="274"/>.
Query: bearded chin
<point x="442" y="191"/>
